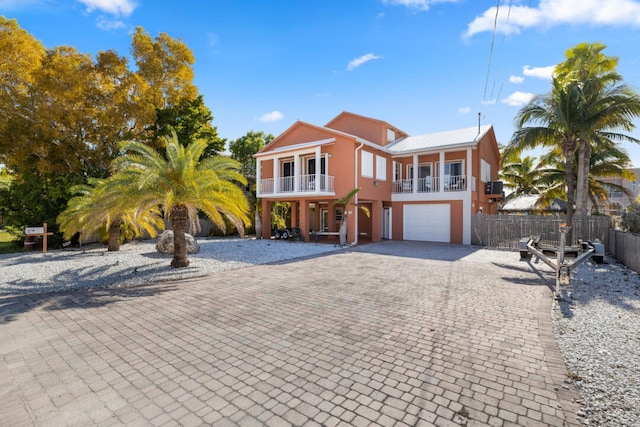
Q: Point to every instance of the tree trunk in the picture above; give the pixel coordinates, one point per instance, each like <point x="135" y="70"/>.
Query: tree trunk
<point x="569" y="159"/>
<point x="179" y="216"/>
<point x="343" y="230"/>
<point x="113" y="243"/>
<point x="582" y="191"/>
<point x="258" y="223"/>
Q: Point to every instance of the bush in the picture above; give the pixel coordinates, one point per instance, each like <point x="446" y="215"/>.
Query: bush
<point x="631" y="218"/>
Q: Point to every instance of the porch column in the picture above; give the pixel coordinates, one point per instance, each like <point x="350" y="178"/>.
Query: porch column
<point x="414" y="176"/>
<point x="258" y="177"/>
<point x="441" y="172"/>
<point x="296" y="173"/>
<point x="266" y="219"/>
<point x="318" y="164"/>
<point x="305" y="222"/>
<point x="294" y="214"/>
<point x="469" y="178"/>
<point x="276" y="176"/>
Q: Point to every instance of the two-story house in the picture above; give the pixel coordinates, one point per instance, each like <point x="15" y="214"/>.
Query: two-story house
<point x="620" y="193"/>
<point x="423" y="187"/>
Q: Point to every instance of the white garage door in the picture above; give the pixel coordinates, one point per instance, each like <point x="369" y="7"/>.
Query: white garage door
<point x="430" y="223"/>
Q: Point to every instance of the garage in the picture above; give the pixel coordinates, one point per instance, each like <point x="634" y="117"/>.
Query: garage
<point x="427" y="222"/>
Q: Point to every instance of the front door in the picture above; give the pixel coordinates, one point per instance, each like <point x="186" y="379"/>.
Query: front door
<point x="324" y="219"/>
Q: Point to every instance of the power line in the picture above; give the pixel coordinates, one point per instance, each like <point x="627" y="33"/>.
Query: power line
<point x="493" y="36"/>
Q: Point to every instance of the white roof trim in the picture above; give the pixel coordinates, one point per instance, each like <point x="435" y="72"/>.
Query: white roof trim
<point x="295" y="147"/>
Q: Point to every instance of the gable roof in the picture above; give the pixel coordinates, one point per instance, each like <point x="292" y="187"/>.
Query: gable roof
<point x="439" y="140"/>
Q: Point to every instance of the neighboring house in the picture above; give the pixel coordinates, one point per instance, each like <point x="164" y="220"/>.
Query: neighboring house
<point x="525" y="205"/>
<point x="423" y="187"/>
<point x="617" y="201"/>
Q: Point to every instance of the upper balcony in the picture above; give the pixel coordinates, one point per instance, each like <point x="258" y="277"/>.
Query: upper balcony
<point x="430" y="185"/>
<point x="294" y="185"/>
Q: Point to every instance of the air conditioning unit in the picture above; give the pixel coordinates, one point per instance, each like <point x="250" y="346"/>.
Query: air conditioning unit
<point x="493" y="187"/>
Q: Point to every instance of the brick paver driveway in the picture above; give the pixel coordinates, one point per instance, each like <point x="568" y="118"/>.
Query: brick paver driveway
<point x="387" y="334"/>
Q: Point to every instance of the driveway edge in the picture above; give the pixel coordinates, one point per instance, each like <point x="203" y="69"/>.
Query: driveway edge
<point x="567" y="394"/>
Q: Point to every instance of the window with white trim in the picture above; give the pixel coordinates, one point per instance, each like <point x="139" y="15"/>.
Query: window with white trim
<point x="391" y="135"/>
<point x="367" y="164"/>
<point x="485" y="172"/>
<point x="397" y="171"/>
<point x="381" y="168"/>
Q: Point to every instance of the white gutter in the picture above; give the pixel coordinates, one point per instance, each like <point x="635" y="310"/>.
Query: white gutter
<point x="355" y="242"/>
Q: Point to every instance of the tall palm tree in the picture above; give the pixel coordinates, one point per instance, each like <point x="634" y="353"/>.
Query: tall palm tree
<point x="552" y="124"/>
<point x="607" y="106"/>
<point x="93" y="209"/>
<point x="181" y="183"/>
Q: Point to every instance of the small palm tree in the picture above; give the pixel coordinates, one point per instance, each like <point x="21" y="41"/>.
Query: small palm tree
<point x="346" y="202"/>
<point x="181" y="183"/>
<point x="93" y="209"/>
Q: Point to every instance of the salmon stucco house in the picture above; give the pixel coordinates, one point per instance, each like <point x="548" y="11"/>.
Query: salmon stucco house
<point x="423" y="187"/>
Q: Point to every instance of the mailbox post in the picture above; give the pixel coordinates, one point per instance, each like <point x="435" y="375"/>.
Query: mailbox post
<point x="39" y="231"/>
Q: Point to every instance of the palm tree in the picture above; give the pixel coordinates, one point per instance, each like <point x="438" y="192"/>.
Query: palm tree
<point x="523" y="175"/>
<point x="93" y="209"/>
<point x="346" y="202"/>
<point x="605" y="162"/>
<point x="181" y="183"/>
<point x="606" y="106"/>
<point x="553" y="124"/>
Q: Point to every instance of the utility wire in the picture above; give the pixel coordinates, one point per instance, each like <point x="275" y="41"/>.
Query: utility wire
<point x="493" y="36"/>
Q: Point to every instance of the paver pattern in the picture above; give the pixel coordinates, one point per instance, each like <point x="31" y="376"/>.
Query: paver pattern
<point x="390" y="334"/>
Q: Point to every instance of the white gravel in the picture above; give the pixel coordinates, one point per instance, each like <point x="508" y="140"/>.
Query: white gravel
<point x="138" y="263"/>
<point x="597" y="327"/>
<point x="597" y="324"/>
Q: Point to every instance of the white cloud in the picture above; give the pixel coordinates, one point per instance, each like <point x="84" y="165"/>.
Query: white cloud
<point x="539" y="72"/>
<point x="549" y="13"/>
<point x="516" y="79"/>
<point x="517" y="99"/>
<point x="464" y="110"/>
<point x="417" y="4"/>
<point x="107" y="24"/>
<point x="273" y="116"/>
<point x="359" y="61"/>
<point x="113" y="7"/>
<point x="489" y="102"/>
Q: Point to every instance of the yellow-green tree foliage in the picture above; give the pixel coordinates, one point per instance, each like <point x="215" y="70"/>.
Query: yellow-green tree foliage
<point x="62" y="111"/>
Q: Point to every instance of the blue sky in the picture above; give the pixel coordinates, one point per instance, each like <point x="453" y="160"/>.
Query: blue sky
<point x="422" y="65"/>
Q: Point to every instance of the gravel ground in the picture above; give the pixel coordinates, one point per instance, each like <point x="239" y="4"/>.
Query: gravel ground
<point x="596" y="324"/>
<point x="138" y="263"/>
<point x="597" y="327"/>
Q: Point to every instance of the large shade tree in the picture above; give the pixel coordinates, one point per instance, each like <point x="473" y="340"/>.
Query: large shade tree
<point x="63" y="113"/>
<point x="243" y="150"/>
<point x="182" y="183"/>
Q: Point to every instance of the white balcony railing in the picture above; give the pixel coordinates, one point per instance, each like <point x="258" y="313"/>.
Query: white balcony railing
<point x="297" y="184"/>
<point x="430" y="184"/>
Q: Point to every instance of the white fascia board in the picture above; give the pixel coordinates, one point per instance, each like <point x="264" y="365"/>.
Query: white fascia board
<point x="295" y="147"/>
<point x="448" y="147"/>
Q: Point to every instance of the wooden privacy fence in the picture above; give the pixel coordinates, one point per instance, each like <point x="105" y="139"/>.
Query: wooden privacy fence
<point x="505" y="231"/>
<point x="625" y="247"/>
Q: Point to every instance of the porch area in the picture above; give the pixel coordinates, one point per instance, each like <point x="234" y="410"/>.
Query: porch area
<point x="430" y="184"/>
<point x="289" y="185"/>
